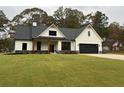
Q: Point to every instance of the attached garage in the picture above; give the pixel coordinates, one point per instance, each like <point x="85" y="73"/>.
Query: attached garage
<point x="88" y="48"/>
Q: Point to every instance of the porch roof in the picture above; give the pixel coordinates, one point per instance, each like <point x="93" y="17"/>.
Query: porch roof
<point x="51" y="38"/>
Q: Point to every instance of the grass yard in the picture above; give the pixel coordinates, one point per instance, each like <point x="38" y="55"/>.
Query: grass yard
<point x="60" y="70"/>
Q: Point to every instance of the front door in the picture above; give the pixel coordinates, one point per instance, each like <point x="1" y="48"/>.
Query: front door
<point x="51" y="48"/>
<point x="38" y="46"/>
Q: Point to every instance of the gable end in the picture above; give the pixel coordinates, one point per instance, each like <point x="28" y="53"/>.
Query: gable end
<point x="93" y="31"/>
<point x="49" y="28"/>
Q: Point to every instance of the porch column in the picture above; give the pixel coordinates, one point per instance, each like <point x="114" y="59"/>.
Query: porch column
<point x="59" y="45"/>
<point x="48" y="42"/>
<point x="33" y="46"/>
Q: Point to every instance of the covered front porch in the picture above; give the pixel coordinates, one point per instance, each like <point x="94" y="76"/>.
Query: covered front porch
<point x="48" y="46"/>
<point x="52" y="46"/>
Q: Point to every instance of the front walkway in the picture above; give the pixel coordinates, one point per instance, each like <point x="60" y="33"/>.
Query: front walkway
<point x="111" y="56"/>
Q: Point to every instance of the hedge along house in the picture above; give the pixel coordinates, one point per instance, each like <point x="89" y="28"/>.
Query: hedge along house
<point x="52" y="39"/>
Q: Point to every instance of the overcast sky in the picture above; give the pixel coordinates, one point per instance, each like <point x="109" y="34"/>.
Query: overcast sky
<point x="115" y="13"/>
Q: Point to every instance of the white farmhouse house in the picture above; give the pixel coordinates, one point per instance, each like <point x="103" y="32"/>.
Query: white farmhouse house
<point x="53" y="39"/>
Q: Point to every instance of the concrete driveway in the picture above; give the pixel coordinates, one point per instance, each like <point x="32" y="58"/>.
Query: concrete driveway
<point x="111" y="56"/>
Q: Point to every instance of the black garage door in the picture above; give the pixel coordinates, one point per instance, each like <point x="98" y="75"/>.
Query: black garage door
<point x="88" y="48"/>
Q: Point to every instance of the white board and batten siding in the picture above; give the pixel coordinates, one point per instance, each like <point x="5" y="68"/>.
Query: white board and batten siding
<point x="44" y="45"/>
<point x="18" y="45"/>
<point x="94" y="38"/>
<point x="52" y="28"/>
<point x="73" y="46"/>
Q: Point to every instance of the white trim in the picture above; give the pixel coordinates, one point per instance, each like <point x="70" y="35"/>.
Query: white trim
<point x="93" y="30"/>
<point x="49" y="28"/>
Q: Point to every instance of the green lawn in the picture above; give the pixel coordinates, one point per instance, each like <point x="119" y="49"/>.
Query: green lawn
<point x="59" y="70"/>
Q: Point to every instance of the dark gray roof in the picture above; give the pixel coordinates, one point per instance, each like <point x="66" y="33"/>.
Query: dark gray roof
<point x="37" y="30"/>
<point x="71" y="33"/>
<point x="29" y="32"/>
<point x="23" y="32"/>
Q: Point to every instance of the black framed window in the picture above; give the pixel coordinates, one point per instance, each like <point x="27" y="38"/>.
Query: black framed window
<point x="24" y="46"/>
<point x="66" y="46"/>
<point x="88" y="33"/>
<point x="52" y="33"/>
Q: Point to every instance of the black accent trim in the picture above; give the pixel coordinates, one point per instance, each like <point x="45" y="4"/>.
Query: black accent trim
<point x="52" y="38"/>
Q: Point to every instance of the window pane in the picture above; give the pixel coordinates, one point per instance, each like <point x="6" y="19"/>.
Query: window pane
<point x="66" y="45"/>
<point x="24" y="46"/>
<point x="88" y="33"/>
<point x="52" y="33"/>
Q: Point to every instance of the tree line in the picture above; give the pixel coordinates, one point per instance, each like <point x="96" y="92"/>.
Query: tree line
<point x="73" y="18"/>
